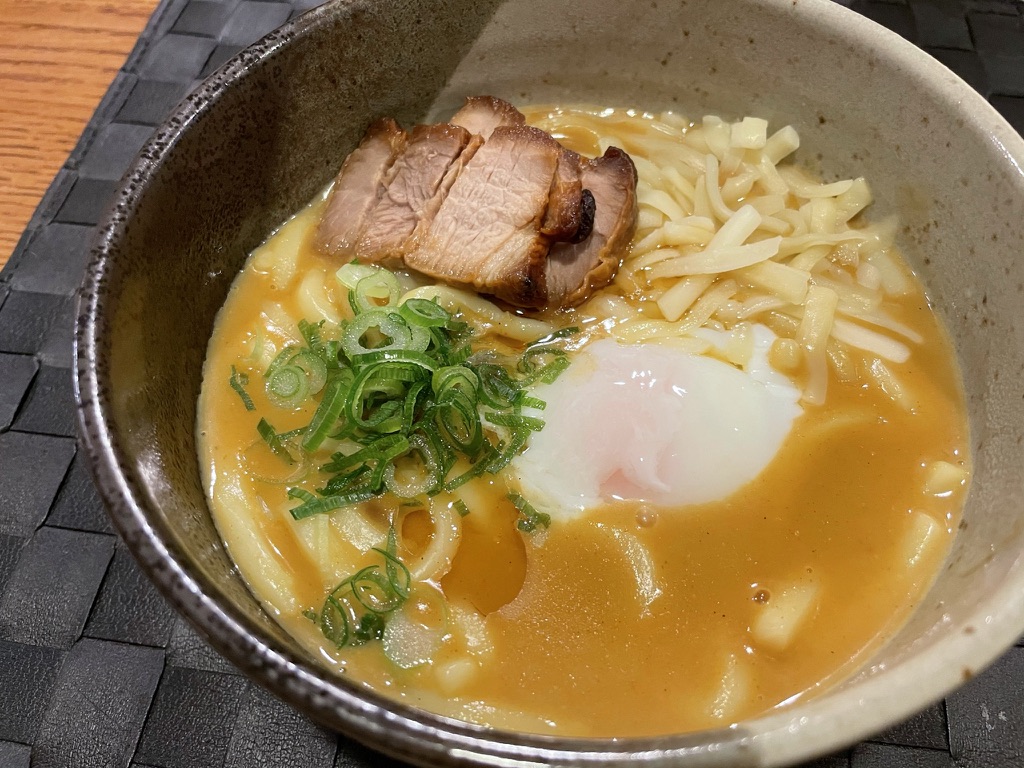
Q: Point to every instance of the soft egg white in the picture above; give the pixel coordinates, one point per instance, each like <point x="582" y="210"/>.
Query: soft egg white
<point x="657" y="424"/>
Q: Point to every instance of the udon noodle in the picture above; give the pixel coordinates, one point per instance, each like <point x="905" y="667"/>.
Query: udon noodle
<point x="632" y="618"/>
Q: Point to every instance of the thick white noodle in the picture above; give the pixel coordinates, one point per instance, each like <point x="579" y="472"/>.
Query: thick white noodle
<point x="782" y="616"/>
<point x="446" y="531"/>
<point x="728" y="232"/>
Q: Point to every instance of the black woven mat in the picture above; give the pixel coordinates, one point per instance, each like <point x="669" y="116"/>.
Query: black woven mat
<point x="95" y="669"/>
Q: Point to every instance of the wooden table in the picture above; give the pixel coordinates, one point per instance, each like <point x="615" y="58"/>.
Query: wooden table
<point x="57" y="59"/>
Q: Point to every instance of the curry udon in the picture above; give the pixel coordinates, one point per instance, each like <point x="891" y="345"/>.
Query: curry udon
<point x="740" y="481"/>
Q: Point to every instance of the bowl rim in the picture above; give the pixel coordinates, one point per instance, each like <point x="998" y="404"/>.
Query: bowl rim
<point x="802" y="731"/>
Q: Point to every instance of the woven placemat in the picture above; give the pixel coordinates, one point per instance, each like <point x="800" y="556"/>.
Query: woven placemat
<point x="95" y="668"/>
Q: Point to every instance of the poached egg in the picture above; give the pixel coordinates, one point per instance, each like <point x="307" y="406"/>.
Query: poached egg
<point x="656" y="424"/>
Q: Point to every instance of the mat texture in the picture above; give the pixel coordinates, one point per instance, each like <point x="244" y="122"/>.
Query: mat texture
<point x="95" y="669"/>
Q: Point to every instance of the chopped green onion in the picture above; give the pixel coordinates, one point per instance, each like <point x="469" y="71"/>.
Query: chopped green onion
<point x="424" y="361"/>
<point x="482" y="465"/>
<point x="311" y="333"/>
<point x="274" y="441"/>
<point x="426" y="480"/>
<point x="398" y="575"/>
<point x="312" y="505"/>
<point x="525" y="401"/>
<point x="427" y="314"/>
<point x="455" y="378"/>
<point x="334" y="622"/>
<point x="460" y="507"/>
<point x="330" y="352"/>
<point x="529" y="518"/>
<point x="369" y="287"/>
<point x="372" y="590"/>
<point x="459" y="422"/>
<point x="356" y="611"/>
<point x="238" y="381"/>
<point x="409" y="407"/>
<point x="383" y="324"/>
<point x="536" y="360"/>
<point x="326" y="415"/>
<point x="288" y="386"/>
<point x="378" y="289"/>
<point x="313" y="366"/>
<point x="371" y="405"/>
<point x="282" y="358"/>
<point x="370" y="627"/>
<point x="504" y="457"/>
<point x="391" y="445"/>
<point x="350" y="274"/>
<point x="344" y="481"/>
<point x="551" y="338"/>
<point x="400" y="386"/>
<point x="291" y="434"/>
<point x="516" y="421"/>
<point x="497" y="388"/>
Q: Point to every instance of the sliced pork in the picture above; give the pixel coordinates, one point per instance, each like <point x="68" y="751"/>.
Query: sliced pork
<point x="359" y="186"/>
<point x="480" y="115"/>
<point x="419" y="181"/>
<point x="564" y="213"/>
<point x="485" y="202"/>
<point x="487" y="232"/>
<point x="577" y="270"/>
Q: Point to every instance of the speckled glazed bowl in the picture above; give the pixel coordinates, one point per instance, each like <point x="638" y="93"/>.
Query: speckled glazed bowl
<point x="259" y="138"/>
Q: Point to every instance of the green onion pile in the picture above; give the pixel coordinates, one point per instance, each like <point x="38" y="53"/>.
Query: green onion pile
<point x="355" y="611"/>
<point x="412" y="409"/>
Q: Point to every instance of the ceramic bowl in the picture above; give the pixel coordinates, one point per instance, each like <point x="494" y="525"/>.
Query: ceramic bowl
<point x="265" y="133"/>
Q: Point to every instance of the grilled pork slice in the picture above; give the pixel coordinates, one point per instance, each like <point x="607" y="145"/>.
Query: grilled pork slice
<point x="565" y="212"/>
<point x="359" y="185"/>
<point x="574" y="271"/>
<point x="480" y="115"/>
<point x="420" y="179"/>
<point x="487" y="232"/>
<point x="485" y="202"/>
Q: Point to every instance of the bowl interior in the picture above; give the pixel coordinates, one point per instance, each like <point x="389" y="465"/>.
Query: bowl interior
<point x="269" y="131"/>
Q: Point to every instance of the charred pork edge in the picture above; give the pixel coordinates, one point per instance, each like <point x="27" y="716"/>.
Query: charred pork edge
<point x="562" y="217"/>
<point x="529" y="290"/>
<point x="609" y="257"/>
<point x="588" y="209"/>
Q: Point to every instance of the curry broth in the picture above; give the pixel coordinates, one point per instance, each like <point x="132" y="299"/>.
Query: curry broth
<point x="576" y="649"/>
